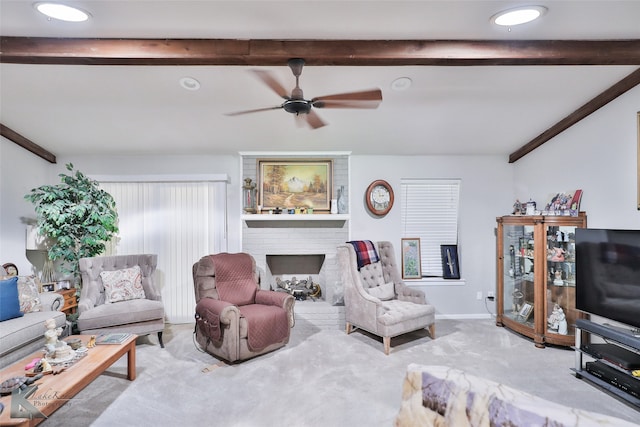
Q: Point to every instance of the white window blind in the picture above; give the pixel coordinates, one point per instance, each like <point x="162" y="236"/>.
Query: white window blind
<point x="178" y="221"/>
<point x="430" y="212"/>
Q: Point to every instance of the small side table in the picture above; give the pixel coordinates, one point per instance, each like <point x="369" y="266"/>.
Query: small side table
<point x="70" y="300"/>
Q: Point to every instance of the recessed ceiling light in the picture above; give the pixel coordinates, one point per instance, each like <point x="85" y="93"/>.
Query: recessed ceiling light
<point x="518" y="15"/>
<point x="401" y="83"/>
<point x="62" y="12"/>
<point x="189" y="83"/>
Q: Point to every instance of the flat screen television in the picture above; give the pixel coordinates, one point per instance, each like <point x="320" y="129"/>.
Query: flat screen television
<point x="608" y="274"/>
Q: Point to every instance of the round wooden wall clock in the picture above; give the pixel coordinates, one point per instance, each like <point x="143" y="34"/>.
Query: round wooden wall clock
<point x="379" y="197"/>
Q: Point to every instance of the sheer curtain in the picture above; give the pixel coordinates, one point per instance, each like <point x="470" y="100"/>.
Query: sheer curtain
<point x="180" y="221"/>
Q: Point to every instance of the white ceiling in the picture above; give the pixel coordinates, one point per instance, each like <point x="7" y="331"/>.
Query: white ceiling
<point x="78" y="109"/>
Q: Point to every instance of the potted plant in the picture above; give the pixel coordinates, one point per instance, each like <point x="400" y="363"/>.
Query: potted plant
<point x="78" y="216"/>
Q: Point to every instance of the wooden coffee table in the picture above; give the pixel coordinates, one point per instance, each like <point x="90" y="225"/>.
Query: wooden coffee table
<point x="55" y="390"/>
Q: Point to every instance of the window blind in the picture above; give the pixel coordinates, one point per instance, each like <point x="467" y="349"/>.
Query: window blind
<point x="178" y="221"/>
<point x="429" y="210"/>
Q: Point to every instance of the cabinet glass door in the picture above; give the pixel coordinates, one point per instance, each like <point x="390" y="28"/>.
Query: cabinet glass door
<point x="561" y="311"/>
<point x="518" y="289"/>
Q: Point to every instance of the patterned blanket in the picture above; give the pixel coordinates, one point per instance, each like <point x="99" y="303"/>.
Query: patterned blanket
<point x="365" y="251"/>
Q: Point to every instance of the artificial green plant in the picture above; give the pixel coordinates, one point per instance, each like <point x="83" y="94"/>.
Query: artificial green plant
<point x="77" y="215"/>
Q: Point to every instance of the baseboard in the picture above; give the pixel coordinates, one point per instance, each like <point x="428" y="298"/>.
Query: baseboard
<point x="463" y="316"/>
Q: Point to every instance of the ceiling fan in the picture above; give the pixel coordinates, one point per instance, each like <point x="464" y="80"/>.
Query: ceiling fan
<point x="303" y="108"/>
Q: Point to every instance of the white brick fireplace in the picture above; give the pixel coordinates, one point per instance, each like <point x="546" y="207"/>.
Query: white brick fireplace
<point x="264" y="235"/>
<point x="302" y="234"/>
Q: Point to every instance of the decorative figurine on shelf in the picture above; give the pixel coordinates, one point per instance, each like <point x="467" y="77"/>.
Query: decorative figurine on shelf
<point x="517" y="208"/>
<point x="557" y="255"/>
<point x="557" y="278"/>
<point x="557" y="320"/>
<point x="531" y="207"/>
<point x="518" y="298"/>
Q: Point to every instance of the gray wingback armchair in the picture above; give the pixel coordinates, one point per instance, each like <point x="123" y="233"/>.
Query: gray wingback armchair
<point x="142" y="315"/>
<point x="377" y="300"/>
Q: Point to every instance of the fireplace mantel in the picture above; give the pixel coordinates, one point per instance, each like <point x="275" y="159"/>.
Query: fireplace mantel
<point x="298" y="221"/>
<point x="296" y="217"/>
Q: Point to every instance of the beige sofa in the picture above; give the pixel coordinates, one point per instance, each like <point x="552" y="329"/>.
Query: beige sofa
<point x="23" y="335"/>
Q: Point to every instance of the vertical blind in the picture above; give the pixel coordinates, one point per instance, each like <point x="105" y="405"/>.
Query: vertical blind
<point x="178" y="221"/>
<point x="429" y="210"/>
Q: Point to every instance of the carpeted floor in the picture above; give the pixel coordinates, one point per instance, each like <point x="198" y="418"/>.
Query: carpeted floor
<point x="325" y="378"/>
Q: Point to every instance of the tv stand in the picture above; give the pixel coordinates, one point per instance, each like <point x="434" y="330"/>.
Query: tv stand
<point x="616" y="380"/>
<point x="631" y="331"/>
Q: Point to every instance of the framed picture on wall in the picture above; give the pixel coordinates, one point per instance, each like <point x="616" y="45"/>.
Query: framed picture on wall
<point x="295" y="183"/>
<point x="411" y="268"/>
<point x="450" y="266"/>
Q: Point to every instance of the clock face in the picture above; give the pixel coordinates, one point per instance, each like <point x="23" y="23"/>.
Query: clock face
<point x="379" y="197"/>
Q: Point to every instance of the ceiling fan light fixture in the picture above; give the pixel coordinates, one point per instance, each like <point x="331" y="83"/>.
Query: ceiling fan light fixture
<point x="62" y="12"/>
<point x="518" y="15"/>
<point x="189" y="83"/>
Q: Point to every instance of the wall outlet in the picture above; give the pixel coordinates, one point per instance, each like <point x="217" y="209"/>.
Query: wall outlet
<point x="479" y="295"/>
<point x="491" y="294"/>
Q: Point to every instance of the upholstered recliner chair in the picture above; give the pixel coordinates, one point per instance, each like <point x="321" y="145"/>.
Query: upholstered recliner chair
<point x="119" y="295"/>
<point x="375" y="297"/>
<point x="235" y="319"/>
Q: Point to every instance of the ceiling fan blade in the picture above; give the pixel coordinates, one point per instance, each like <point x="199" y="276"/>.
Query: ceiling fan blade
<point x="346" y="104"/>
<point x="314" y="120"/>
<point x="238" y="113"/>
<point x="272" y="82"/>
<point x="363" y="99"/>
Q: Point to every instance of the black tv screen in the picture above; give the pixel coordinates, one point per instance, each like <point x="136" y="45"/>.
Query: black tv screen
<point x="608" y="274"/>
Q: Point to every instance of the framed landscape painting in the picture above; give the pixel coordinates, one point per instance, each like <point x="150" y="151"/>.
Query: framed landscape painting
<point x="411" y="262"/>
<point x="295" y="183"/>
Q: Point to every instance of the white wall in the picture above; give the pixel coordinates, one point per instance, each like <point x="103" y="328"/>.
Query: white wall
<point x="597" y="155"/>
<point x="20" y="171"/>
<point x="486" y="193"/>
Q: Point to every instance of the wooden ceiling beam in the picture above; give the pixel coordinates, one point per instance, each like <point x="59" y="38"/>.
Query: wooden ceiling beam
<point x="264" y="52"/>
<point x="27" y="144"/>
<point x="624" y="85"/>
<point x="80" y="51"/>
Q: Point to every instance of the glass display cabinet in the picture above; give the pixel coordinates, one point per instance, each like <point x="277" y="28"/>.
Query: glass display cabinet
<point x="536" y="277"/>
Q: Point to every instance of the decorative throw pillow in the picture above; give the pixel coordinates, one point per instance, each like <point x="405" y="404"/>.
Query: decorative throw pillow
<point x="122" y="285"/>
<point x="9" y="302"/>
<point x="383" y="292"/>
<point x="28" y="294"/>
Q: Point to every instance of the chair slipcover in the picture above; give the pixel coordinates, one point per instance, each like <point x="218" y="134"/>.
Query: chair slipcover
<point x="235" y="319"/>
